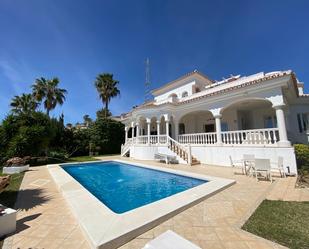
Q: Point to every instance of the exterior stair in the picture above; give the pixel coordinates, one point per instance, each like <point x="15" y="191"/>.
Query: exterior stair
<point x="182" y="151"/>
<point x="125" y="149"/>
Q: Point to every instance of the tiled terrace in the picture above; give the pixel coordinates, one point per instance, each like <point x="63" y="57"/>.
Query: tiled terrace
<point x="45" y="220"/>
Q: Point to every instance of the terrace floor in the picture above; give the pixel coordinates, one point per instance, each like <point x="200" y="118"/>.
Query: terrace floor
<point x="45" y="220"/>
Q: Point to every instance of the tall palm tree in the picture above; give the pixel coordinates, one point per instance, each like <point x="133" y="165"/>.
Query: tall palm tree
<point x="107" y="88"/>
<point x="48" y="91"/>
<point x="24" y="104"/>
<point x="87" y="119"/>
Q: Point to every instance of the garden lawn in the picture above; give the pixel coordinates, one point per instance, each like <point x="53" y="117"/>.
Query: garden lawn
<point x="81" y="159"/>
<point x="284" y="222"/>
<point x="87" y="158"/>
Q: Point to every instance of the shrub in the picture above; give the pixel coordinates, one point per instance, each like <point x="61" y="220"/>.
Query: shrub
<point x="25" y="135"/>
<point x="107" y="135"/>
<point x="302" y="156"/>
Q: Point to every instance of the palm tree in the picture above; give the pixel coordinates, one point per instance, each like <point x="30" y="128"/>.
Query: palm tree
<point x="87" y="120"/>
<point x="24" y="104"/>
<point x="48" y="91"/>
<point x="107" y="88"/>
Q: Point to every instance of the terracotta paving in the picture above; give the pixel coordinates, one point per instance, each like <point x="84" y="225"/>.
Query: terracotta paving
<point x="45" y="220"/>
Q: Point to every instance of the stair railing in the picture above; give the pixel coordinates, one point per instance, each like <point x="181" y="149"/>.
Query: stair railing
<point x="125" y="146"/>
<point x="181" y="150"/>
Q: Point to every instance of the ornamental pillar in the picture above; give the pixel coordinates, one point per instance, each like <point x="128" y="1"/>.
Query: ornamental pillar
<point x="283" y="137"/>
<point x="167" y="127"/>
<point x="133" y="126"/>
<point x="158" y="130"/>
<point x="148" y="121"/>
<point x="126" y="133"/>
<point x="176" y="124"/>
<point x="218" y="128"/>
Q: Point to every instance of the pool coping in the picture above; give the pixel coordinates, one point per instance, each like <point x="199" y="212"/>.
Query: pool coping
<point x="106" y="229"/>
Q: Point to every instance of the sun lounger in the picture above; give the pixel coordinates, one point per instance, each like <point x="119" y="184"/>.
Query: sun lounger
<point x="170" y="240"/>
<point x="166" y="158"/>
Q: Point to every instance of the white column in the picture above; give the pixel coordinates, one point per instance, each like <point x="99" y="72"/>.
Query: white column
<point x="137" y="130"/>
<point x="167" y="127"/>
<point x="132" y="126"/>
<point x="218" y="128"/>
<point x="283" y="137"/>
<point x="148" y="130"/>
<point x="158" y="130"/>
<point x="126" y="132"/>
<point x="176" y="123"/>
<point x="137" y="133"/>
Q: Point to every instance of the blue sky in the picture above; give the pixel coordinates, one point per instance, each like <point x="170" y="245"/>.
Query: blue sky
<point x="75" y="40"/>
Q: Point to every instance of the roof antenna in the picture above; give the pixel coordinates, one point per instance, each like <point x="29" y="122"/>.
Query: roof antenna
<point x="148" y="95"/>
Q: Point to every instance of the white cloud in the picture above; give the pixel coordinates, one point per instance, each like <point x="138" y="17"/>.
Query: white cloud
<point x="10" y="72"/>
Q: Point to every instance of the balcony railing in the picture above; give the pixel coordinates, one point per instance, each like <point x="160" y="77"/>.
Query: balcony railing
<point x="240" y="137"/>
<point x="245" y="137"/>
<point x="153" y="139"/>
<point x="198" y="138"/>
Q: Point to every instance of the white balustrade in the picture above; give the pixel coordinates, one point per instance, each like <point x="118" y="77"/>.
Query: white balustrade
<point x="162" y="139"/>
<point x="240" y="137"/>
<point x="198" y="138"/>
<point x="144" y="139"/>
<point x="256" y="137"/>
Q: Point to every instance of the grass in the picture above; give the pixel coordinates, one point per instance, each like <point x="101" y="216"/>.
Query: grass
<point x="284" y="222"/>
<point x="82" y="159"/>
<point x="86" y="158"/>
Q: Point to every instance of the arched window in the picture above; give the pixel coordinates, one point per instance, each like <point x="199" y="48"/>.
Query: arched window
<point x="173" y="97"/>
<point x="184" y="94"/>
<point x="197" y="90"/>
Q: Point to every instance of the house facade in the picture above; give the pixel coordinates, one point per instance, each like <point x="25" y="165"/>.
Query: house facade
<point x="200" y="120"/>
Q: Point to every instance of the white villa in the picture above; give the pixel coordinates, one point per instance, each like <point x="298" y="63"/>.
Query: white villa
<point x="200" y="120"/>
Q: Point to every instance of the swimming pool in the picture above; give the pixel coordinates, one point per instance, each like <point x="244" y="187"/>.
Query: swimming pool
<point x="100" y="222"/>
<point x="123" y="187"/>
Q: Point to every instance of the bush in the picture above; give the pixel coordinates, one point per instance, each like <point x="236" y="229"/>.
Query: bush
<point x="25" y="135"/>
<point x="302" y="156"/>
<point x="107" y="135"/>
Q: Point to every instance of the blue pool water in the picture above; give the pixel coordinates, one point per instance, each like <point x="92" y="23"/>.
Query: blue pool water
<point x="123" y="187"/>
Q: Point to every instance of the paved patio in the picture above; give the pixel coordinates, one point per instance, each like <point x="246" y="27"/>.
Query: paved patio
<point x="45" y="220"/>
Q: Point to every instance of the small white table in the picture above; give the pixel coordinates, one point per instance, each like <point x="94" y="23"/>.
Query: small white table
<point x="7" y="221"/>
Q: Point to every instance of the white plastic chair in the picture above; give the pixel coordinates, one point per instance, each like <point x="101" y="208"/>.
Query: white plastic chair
<point x="248" y="162"/>
<point x="262" y="166"/>
<point x="279" y="167"/>
<point x="238" y="164"/>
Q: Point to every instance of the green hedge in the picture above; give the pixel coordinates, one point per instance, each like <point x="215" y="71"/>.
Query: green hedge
<point x="302" y="156"/>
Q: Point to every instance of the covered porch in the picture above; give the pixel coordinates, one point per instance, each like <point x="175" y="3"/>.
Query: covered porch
<point x="248" y="122"/>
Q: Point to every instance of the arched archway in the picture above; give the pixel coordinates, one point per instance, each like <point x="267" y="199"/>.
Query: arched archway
<point x="142" y="125"/>
<point x="196" y="122"/>
<point x="248" y="114"/>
